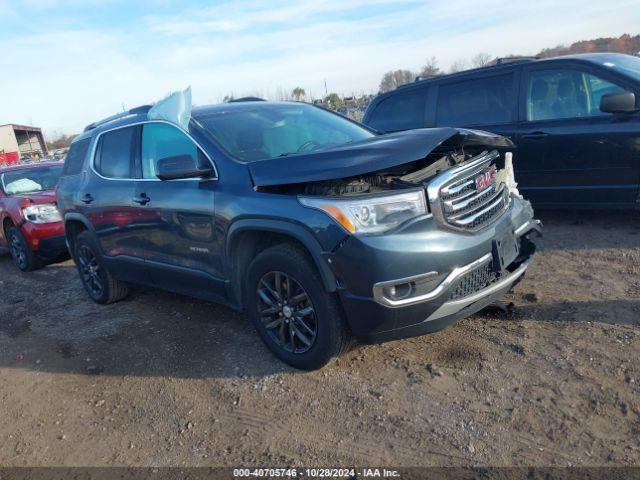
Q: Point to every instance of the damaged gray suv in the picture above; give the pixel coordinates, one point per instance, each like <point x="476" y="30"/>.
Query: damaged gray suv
<point x="319" y="228"/>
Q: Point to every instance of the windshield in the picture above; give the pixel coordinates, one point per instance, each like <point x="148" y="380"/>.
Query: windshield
<point x="30" y="180"/>
<point x="625" y="64"/>
<point x="256" y="132"/>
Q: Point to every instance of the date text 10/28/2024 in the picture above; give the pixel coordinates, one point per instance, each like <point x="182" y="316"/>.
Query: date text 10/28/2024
<point x="315" y="473"/>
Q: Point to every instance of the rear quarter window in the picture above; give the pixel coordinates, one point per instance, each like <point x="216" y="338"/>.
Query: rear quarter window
<point x="75" y="157"/>
<point x="401" y="111"/>
<point x="114" y="157"/>
<point x="481" y="101"/>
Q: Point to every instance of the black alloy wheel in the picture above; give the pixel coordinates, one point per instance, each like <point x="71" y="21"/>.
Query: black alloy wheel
<point x="90" y="271"/>
<point x="18" y="251"/>
<point x="286" y="311"/>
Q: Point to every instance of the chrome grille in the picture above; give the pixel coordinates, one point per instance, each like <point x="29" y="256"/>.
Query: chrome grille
<point x="457" y="204"/>
<point x="472" y="282"/>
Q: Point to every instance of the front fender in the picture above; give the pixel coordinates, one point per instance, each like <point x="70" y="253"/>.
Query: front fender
<point x="288" y="228"/>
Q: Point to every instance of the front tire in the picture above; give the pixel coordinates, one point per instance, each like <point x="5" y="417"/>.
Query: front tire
<point x="301" y="323"/>
<point x="98" y="282"/>
<point x="23" y="256"/>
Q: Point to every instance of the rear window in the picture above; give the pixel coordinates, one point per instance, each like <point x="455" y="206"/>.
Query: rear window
<point x="75" y="158"/>
<point x="30" y="180"/>
<point x="401" y="111"/>
<point x="483" y="101"/>
<point x="115" y="153"/>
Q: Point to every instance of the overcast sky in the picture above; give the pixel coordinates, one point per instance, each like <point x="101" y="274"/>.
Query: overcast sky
<point x="66" y="63"/>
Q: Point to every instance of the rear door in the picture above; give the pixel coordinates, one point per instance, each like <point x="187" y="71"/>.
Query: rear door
<point x="569" y="152"/>
<point x="406" y="109"/>
<point x="175" y="221"/>
<point x="107" y="199"/>
<point x="487" y="102"/>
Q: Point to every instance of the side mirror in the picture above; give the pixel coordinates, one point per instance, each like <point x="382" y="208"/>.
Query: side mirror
<point x="624" y="102"/>
<point x="181" y="166"/>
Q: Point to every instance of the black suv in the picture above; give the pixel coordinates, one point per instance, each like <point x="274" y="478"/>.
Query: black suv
<point x="575" y="121"/>
<point x="315" y="225"/>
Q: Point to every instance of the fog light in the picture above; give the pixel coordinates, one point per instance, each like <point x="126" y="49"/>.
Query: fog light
<point x="400" y="291"/>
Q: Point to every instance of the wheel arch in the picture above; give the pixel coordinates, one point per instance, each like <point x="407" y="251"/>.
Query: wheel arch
<point x="248" y="237"/>
<point x="75" y="223"/>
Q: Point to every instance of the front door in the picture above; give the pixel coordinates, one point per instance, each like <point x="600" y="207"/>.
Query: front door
<point x="175" y="220"/>
<point x="569" y="152"/>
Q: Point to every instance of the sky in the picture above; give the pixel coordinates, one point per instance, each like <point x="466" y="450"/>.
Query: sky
<point x="68" y="63"/>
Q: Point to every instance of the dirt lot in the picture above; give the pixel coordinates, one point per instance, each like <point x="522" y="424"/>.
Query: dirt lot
<point x="166" y="380"/>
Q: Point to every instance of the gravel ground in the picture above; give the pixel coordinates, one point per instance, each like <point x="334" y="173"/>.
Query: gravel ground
<point x="163" y="380"/>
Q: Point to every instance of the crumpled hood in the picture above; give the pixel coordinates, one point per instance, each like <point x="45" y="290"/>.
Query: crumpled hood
<point x="366" y="156"/>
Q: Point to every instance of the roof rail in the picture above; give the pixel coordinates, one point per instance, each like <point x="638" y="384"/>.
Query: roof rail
<point x="505" y="60"/>
<point x="134" y="111"/>
<point x="247" y="99"/>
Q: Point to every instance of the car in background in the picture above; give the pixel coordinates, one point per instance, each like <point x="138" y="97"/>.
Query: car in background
<point x="32" y="229"/>
<point x="575" y="121"/>
<point x="316" y="226"/>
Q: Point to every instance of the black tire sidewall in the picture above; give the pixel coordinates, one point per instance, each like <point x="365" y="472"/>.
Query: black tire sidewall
<point x="327" y="342"/>
<point x="30" y="261"/>
<point x="85" y="239"/>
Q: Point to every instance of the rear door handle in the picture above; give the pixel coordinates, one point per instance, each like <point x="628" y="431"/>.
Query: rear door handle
<point x="143" y="199"/>
<point x="87" y="199"/>
<point x="535" y="135"/>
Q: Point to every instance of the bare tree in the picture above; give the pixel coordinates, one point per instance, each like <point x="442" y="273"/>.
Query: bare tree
<point x="480" y="60"/>
<point x="458" y="66"/>
<point x="393" y="79"/>
<point x="298" y="94"/>
<point x="430" y="68"/>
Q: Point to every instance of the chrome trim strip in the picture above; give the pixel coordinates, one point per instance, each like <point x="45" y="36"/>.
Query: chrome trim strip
<point x="532" y="224"/>
<point x="472" y="217"/>
<point x="454" y="306"/>
<point x="378" y="293"/>
<point x="142" y="122"/>
<point x="458" y="174"/>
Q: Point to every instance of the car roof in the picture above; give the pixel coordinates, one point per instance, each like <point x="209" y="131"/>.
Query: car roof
<point x="598" y="58"/>
<point x="238" y="106"/>
<point x="137" y="115"/>
<point x="28" y="166"/>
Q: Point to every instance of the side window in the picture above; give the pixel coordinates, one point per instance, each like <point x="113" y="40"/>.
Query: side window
<point x="115" y="153"/>
<point x="565" y="93"/>
<point x="402" y="111"/>
<point x="483" y="101"/>
<point x="597" y="88"/>
<point x="161" y="140"/>
<point x="75" y="158"/>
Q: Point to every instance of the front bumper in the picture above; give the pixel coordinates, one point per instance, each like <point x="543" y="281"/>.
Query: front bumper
<point x="426" y="249"/>
<point x="46" y="240"/>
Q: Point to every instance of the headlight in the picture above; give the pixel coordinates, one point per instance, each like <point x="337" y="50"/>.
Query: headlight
<point x="45" y="213"/>
<point x="373" y="214"/>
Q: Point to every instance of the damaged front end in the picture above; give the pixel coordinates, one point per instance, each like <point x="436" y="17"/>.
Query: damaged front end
<point x="464" y="179"/>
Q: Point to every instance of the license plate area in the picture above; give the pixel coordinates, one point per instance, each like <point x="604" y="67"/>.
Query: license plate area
<point x="505" y="250"/>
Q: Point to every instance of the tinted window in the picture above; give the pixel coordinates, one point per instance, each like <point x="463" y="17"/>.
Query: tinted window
<point x="565" y="93"/>
<point x="483" y="101"/>
<point x="401" y="111"/>
<point x="262" y="130"/>
<point x="115" y="153"/>
<point x="160" y="140"/>
<point x="75" y="158"/>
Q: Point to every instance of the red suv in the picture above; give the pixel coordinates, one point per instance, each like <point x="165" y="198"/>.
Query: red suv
<point x="31" y="225"/>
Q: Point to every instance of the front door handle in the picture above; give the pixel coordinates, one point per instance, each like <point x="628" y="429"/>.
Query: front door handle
<point x="142" y="199"/>
<point x="535" y="135"/>
<point x="87" y="199"/>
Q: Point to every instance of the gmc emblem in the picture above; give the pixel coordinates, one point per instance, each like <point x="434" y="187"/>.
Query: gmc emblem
<point x="486" y="179"/>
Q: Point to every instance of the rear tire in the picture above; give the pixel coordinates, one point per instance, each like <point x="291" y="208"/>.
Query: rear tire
<point x="23" y="256"/>
<point x="301" y="323"/>
<point x="98" y="282"/>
